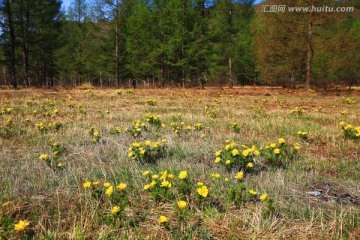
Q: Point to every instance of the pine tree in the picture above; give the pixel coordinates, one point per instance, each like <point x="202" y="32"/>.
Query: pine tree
<point x="8" y="37"/>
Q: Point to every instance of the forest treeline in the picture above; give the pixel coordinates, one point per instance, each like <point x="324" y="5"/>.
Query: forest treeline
<point x="177" y="42"/>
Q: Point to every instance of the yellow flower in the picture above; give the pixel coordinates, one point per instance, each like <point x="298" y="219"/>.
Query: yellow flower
<point x="109" y="191"/>
<point x="5" y="204"/>
<point x="263" y="197"/>
<point x="106" y="184"/>
<point x="272" y="145"/>
<point x="200" y="184"/>
<point x="250" y="165"/>
<point x="277" y="151"/>
<point x="115" y="210"/>
<point x="235" y="152"/>
<point x="21" y="225"/>
<point x="121" y="186"/>
<point x="183" y="175"/>
<point x="239" y="175"/>
<point x="252" y="192"/>
<point x="171" y="176"/>
<point x="297" y="146"/>
<point x="96" y="183"/>
<point x="130" y="154"/>
<point x="246" y="152"/>
<point x="203" y="191"/>
<point x="59" y="165"/>
<point x="218" y="153"/>
<point x="147" y="186"/>
<point x="146" y="173"/>
<point x="215" y="175"/>
<point x="217" y="159"/>
<point x="142" y="151"/>
<point x="181" y="205"/>
<point x="348" y="126"/>
<point x="256" y="152"/>
<point x="147" y="143"/>
<point x="152" y="184"/>
<point x="166" y="184"/>
<point x="164" y="175"/>
<point x="281" y="140"/>
<point x="136" y="144"/>
<point x="342" y="123"/>
<point x="155" y="176"/>
<point x="87" y="184"/>
<point x="227" y="162"/>
<point x="226" y="179"/>
<point x="163" y="219"/>
<point x="44" y="157"/>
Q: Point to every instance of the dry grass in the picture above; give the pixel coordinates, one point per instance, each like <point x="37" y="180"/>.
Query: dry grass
<point x="59" y="208"/>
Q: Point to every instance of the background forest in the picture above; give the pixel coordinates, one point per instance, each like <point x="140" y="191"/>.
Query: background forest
<point x="177" y="43"/>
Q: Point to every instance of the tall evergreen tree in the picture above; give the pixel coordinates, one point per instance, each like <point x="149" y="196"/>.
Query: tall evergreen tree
<point x="8" y="40"/>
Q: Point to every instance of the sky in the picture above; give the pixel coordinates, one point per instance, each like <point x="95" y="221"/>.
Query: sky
<point x="66" y="3"/>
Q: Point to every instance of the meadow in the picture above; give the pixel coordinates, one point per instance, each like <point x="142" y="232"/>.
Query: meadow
<point x="241" y="163"/>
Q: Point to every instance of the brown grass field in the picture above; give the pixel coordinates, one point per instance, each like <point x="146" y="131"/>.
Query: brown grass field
<point x="59" y="147"/>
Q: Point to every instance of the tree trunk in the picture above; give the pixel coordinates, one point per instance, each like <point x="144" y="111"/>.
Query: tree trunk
<point x="24" y="13"/>
<point x="12" y="43"/>
<point x="202" y="58"/>
<point x="4" y="71"/>
<point x="309" y="53"/>
<point x="117" y="49"/>
<point x="230" y="21"/>
<point x="182" y="68"/>
<point x="231" y="82"/>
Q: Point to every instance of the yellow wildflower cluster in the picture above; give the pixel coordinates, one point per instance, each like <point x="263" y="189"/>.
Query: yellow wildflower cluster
<point x="297" y="111"/>
<point x="6" y="110"/>
<point x="154" y="120"/>
<point x="278" y="154"/>
<point x="109" y="189"/>
<point x="151" y="102"/>
<point x="350" y="131"/>
<point x="43" y="127"/>
<point x="210" y="110"/>
<point x="137" y="128"/>
<point x="54" y="162"/>
<point x="177" y="127"/>
<point x="239" y="193"/>
<point x="233" y="156"/>
<point x="95" y="135"/>
<point x="147" y="151"/>
<point x="198" y="126"/>
<point x="303" y="135"/>
<point x="235" y="127"/>
<point x="350" y="101"/>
